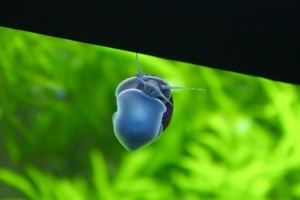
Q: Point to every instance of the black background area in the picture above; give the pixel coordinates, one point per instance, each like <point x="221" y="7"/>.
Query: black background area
<point x="255" y="38"/>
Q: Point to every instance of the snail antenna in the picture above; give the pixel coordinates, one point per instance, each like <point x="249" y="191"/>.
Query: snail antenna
<point x="138" y="67"/>
<point x="179" y="88"/>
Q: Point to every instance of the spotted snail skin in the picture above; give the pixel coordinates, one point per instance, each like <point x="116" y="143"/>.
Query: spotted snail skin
<point x="145" y="108"/>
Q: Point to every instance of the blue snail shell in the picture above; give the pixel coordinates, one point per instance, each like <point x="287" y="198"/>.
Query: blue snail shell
<point x="140" y="118"/>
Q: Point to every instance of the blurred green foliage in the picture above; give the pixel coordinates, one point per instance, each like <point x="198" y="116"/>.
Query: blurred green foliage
<point x="238" y="140"/>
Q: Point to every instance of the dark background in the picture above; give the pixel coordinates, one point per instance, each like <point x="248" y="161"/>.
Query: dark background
<point x="255" y="38"/>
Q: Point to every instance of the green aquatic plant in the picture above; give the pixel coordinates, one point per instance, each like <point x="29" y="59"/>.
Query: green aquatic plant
<point x="39" y="185"/>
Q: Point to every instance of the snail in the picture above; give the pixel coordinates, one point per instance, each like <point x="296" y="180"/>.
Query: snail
<point x="145" y="108"/>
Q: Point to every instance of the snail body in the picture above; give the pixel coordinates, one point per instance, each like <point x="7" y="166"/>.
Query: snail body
<point x="145" y="108"/>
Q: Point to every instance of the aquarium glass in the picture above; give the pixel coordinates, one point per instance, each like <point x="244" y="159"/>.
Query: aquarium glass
<point x="238" y="139"/>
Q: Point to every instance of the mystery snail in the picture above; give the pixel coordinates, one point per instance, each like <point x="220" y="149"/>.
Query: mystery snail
<point x="145" y="108"/>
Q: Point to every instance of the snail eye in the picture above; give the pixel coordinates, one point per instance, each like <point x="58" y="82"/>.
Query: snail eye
<point x="151" y="89"/>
